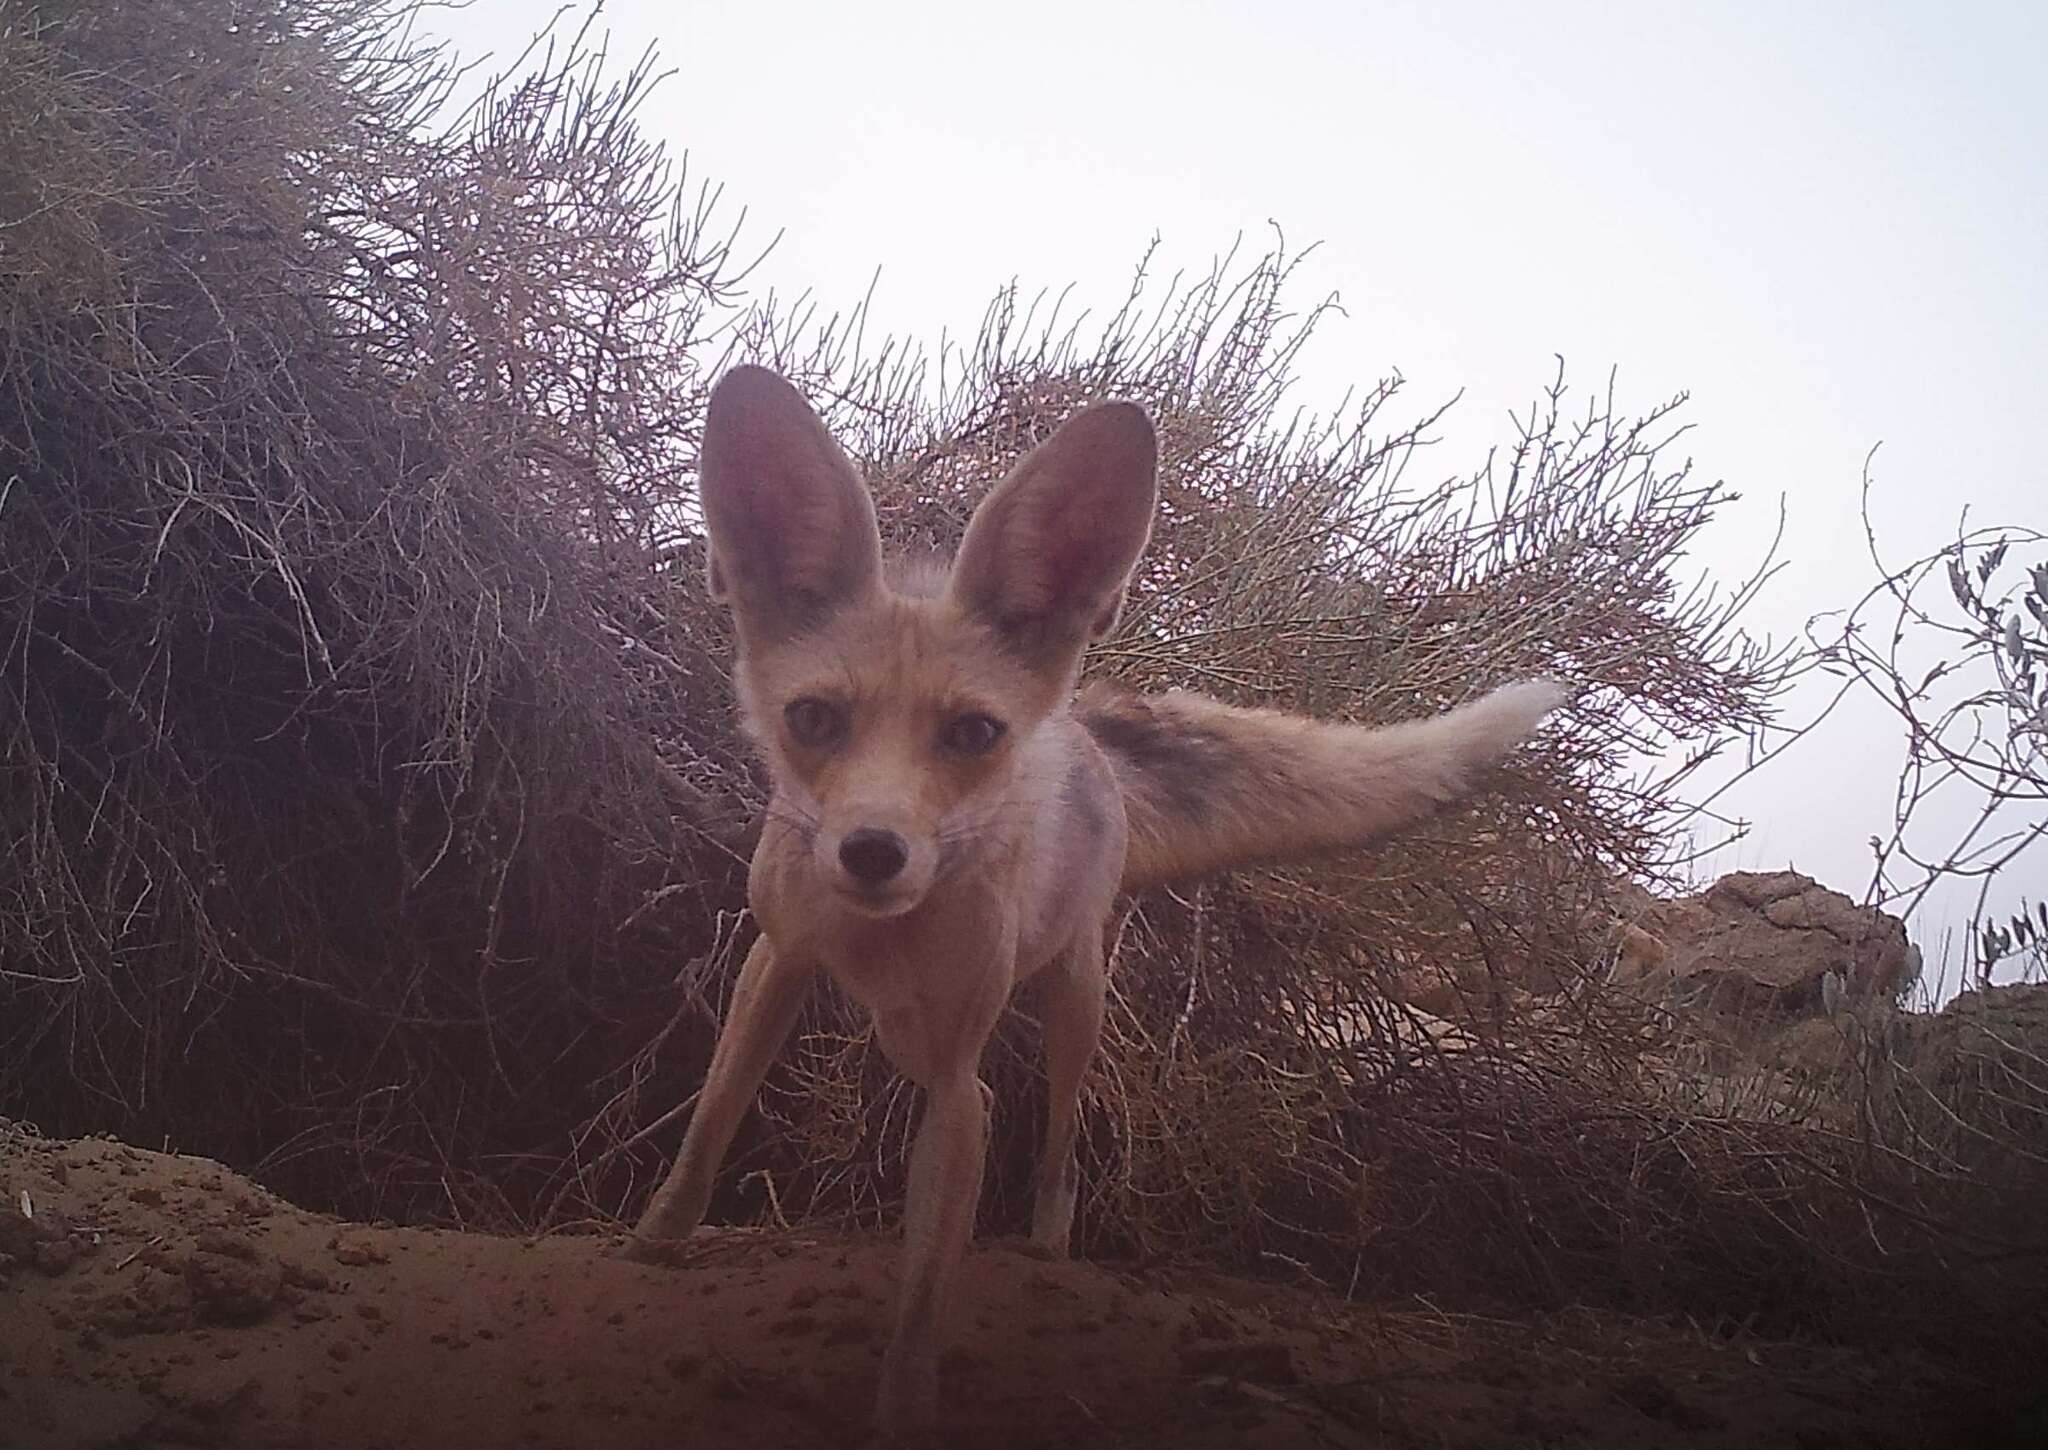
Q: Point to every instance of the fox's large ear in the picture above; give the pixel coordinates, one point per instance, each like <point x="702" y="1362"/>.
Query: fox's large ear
<point x="1050" y="551"/>
<point x="792" y="527"/>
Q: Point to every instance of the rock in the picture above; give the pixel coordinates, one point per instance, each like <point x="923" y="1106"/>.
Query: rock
<point x="44" y="1240"/>
<point x="55" y="1255"/>
<point x="1992" y="1040"/>
<point x="231" y="1282"/>
<point x="1761" y="945"/>
<point x="357" y="1251"/>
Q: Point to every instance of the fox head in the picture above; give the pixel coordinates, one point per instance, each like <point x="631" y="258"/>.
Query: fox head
<point x="895" y="708"/>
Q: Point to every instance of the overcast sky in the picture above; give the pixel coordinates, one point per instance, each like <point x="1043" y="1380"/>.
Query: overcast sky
<point x="1828" y="222"/>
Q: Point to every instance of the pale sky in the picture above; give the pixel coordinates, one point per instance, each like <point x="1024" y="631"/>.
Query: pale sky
<point x="1827" y="221"/>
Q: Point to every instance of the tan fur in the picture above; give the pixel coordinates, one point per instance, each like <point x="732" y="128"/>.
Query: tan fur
<point x="1208" y="786"/>
<point x="928" y="876"/>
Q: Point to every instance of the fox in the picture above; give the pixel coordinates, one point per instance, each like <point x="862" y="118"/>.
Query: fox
<point x="952" y="814"/>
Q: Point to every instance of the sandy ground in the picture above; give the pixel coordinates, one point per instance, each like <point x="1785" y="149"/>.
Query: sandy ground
<point x="155" y="1300"/>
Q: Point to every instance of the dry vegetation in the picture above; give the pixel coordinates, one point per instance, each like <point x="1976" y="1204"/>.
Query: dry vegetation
<point x="335" y="647"/>
<point x="372" y="814"/>
<point x="1955" y="644"/>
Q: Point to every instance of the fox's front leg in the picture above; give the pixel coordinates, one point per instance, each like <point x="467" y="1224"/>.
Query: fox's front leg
<point x="945" y="1188"/>
<point x="1070" y="1009"/>
<point x="765" y="1002"/>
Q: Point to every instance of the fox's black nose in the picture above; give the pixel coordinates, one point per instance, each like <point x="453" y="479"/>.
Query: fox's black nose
<point x="872" y="855"/>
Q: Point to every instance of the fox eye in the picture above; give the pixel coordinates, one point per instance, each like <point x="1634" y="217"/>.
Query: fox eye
<point x="972" y="733"/>
<point x="815" y="722"/>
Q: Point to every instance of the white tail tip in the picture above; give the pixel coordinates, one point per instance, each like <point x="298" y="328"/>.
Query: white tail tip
<point x="1509" y="715"/>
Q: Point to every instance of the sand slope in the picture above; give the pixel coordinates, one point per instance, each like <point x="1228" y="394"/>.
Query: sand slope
<point x="158" y="1300"/>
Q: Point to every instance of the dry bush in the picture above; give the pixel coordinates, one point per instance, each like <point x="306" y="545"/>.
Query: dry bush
<point x="1955" y="644"/>
<point x="1265" y="1095"/>
<point x="335" y="441"/>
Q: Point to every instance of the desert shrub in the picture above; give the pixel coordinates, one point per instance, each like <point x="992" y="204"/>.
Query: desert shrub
<point x="335" y="438"/>
<point x="1260" y="1064"/>
<point x="1955" y="644"/>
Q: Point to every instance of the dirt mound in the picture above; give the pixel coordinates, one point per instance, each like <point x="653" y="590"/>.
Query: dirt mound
<point x="157" y="1300"/>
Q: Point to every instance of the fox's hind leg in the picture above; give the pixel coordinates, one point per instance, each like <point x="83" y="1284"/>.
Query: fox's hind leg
<point x="1070" y="1006"/>
<point x="765" y="1002"/>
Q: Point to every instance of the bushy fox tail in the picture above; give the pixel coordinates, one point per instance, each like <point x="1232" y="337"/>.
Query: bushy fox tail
<point x="1210" y="786"/>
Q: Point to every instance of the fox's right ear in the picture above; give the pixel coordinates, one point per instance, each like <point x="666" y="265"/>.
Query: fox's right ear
<point x="792" y="527"/>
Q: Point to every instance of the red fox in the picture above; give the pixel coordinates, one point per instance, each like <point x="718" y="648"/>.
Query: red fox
<point x="949" y="817"/>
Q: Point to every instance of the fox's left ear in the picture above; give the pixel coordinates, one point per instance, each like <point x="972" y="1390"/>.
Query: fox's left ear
<point x="1049" y="553"/>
